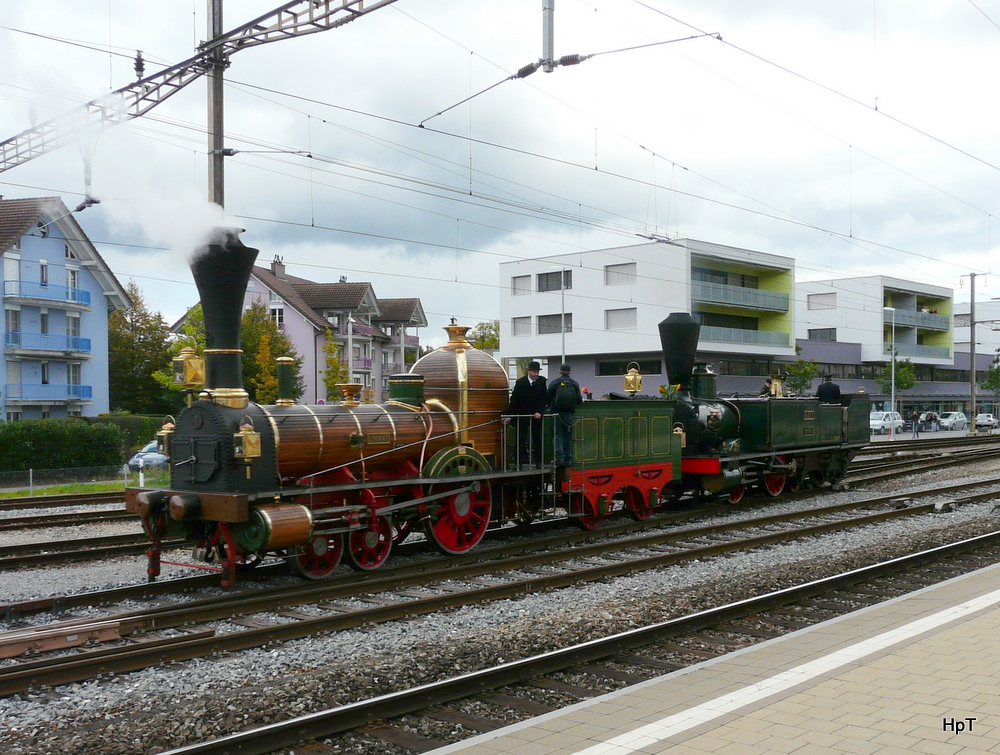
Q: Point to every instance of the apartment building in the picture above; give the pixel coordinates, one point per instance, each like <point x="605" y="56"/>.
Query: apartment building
<point x="599" y="310"/>
<point x="379" y="335"/>
<point x="57" y="292"/>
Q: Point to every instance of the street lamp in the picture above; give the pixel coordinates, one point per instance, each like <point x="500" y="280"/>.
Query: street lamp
<point x="892" y="373"/>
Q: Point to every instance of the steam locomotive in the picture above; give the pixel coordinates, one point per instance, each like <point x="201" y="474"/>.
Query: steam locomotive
<point x="318" y="484"/>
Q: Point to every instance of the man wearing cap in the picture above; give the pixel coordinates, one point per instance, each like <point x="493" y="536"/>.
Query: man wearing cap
<point x="527" y="404"/>
<point x="563" y="398"/>
<point x="828" y="391"/>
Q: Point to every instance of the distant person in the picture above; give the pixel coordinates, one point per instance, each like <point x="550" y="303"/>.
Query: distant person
<point x="527" y="404"/>
<point x="828" y="391"/>
<point x="562" y="399"/>
<point x="932" y="417"/>
<point x="915" y="418"/>
<point x="766" y="388"/>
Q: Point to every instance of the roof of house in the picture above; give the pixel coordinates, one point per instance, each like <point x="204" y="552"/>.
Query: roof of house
<point x="407" y="311"/>
<point x="19" y="216"/>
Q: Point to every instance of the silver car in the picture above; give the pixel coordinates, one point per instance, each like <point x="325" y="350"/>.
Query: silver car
<point x="953" y="421"/>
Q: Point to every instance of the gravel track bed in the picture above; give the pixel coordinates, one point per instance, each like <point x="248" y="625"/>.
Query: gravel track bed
<point x="164" y="707"/>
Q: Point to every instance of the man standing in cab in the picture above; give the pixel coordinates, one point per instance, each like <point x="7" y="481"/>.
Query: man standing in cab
<point x="563" y="398"/>
<point x="527" y="404"/>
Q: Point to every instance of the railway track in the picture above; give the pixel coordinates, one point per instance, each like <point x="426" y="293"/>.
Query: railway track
<point x="180" y="631"/>
<point x="490" y="698"/>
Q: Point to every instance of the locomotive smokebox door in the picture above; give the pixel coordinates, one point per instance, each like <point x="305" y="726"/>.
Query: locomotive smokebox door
<point x="633" y="380"/>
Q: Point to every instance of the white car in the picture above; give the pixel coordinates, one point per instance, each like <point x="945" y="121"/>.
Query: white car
<point x="986" y="420"/>
<point x="880" y="422"/>
<point x="953" y="421"/>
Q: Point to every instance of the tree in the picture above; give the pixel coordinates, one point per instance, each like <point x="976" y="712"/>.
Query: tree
<point x="336" y="371"/>
<point x="991" y="381"/>
<point x="906" y="376"/>
<point x="486" y="335"/>
<point x="800" y="375"/>
<point x="262" y="344"/>
<point x="137" y="348"/>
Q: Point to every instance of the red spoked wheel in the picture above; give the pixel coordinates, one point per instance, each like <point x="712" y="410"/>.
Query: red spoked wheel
<point x="368" y="549"/>
<point x="590" y="518"/>
<point x="458" y="522"/>
<point x="774" y="482"/>
<point x="637" y="504"/>
<point x="319" y="557"/>
<point x="737" y="493"/>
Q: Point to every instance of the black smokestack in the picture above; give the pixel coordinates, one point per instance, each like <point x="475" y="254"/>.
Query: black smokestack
<point x="221" y="270"/>
<point x="679" y="339"/>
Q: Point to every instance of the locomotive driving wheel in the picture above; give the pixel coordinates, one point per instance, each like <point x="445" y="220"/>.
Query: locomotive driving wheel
<point x="737" y="493"/>
<point x="458" y="521"/>
<point x="590" y="517"/>
<point x="773" y="483"/>
<point x="319" y="557"/>
<point x="637" y="504"/>
<point x="368" y="549"/>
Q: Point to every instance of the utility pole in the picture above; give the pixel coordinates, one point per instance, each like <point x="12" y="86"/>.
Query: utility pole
<point x="972" y="346"/>
<point x="548" y="35"/>
<point x="216" y="134"/>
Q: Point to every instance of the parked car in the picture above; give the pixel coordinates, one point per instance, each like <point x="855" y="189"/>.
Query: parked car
<point x="880" y="422"/>
<point x="148" y="458"/>
<point x="986" y="420"/>
<point x="953" y="421"/>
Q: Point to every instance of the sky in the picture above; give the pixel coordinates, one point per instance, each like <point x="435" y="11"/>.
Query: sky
<point x="857" y="137"/>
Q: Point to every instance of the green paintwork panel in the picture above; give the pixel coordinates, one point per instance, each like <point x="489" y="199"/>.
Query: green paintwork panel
<point x="612" y="433"/>
<point x="787" y="423"/>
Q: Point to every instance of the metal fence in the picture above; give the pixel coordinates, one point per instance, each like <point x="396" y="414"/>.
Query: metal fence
<point x="36" y="480"/>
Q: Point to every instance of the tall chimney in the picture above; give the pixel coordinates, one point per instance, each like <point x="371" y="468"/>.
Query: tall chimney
<point x="679" y="339"/>
<point x="221" y="271"/>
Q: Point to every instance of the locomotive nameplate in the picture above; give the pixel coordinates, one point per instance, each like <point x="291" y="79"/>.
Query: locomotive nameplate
<point x="809" y="414"/>
<point x="377" y="438"/>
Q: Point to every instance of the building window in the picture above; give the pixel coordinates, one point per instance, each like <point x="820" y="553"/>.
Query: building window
<point x="823" y="334"/>
<point x="520" y="285"/>
<point x="708" y="275"/>
<point x="619" y="275"/>
<point x="72" y="326"/>
<point x="717" y="320"/>
<point x="12" y="324"/>
<point x="13" y="416"/>
<point x="822" y="301"/>
<point x="45" y="412"/>
<point x="550" y="323"/>
<point x="72" y="373"/>
<point x="74" y="412"/>
<point x="620" y="319"/>
<point x="43" y="272"/>
<point x="70" y="254"/>
<point x="72" y="278"/>
<point x="520" y="326"/>
<point x="45" y="373"/>
<point x="550" y="281"/>
<point x="613" y="368"/>
<point x="278" y="315"/>
<point x="17" y="245"/>
<point x="43" y="322"/>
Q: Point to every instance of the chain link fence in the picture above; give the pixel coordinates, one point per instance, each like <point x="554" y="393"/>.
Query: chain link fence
<point x="32" y="481"/>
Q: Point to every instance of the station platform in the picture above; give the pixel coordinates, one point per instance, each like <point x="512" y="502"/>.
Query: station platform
<point x="920" y="673"/>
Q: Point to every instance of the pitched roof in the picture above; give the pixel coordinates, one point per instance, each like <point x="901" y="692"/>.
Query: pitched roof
<point x="334" y="295"/>
<point x="408" y="311"/>
<point x="19" y="216"/>
<point x="284" y="288"/>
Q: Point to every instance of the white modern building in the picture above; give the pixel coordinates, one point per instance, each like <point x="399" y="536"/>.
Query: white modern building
<point x="599" y="310"/>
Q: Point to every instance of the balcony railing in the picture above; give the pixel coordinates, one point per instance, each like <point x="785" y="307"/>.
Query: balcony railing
<point x="918" y="350"/>
<point x="738" y="335"/>
<point x="361" y="364"/>
<point x="48" y="392"/>
<point x="409" y="340"/>
<point x="46" y="342"/>
<point x="738" y="296"/>
<point x="909" y="318"/>
<point x="34" y="290"/>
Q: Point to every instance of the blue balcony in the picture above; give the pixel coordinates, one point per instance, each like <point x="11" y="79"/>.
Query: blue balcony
<point x="740" y="336"/>
<point x="923" y="320"/>
<point x="738" y="296"/>
<point x="942" y="353"/>
<point x="48" y="392"/>
<point x="46" y="291"/>
<point x="46" y="342"/>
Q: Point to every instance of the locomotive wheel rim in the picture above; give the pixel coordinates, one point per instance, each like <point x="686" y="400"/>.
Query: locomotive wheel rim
<point x="774" y="483"/>
<point x="590" y="518"/>
<point x="737" y="493"/>
<point x="319" y="557"/>
<point x="637" y="504"/>
<point x="461" y="520"/>
<point x="369" y="548"/>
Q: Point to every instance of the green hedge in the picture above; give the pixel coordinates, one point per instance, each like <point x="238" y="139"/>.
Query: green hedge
<point x="58" y="444"/>
<point x="137" y="430"/>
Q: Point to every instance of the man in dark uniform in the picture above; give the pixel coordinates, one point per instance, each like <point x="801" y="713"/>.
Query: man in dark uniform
<point x="828" y="391"/>
<point x="527" y="404"/>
